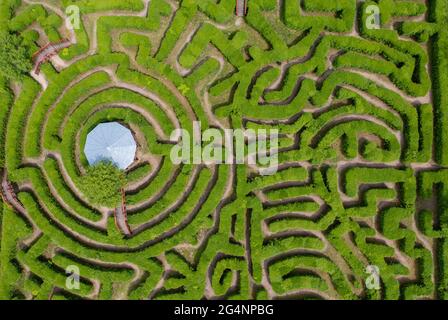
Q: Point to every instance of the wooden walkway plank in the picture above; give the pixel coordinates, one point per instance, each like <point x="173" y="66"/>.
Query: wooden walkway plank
<point x="241" y="8"/>
<point x="121" y="218"/>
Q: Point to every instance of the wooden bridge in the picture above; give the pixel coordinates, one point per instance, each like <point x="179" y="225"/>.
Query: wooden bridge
<point x="8" y="194"/>
<point x="241" y="8"/>
<point x="121" y="217"/>
<point x="48" y="51"/>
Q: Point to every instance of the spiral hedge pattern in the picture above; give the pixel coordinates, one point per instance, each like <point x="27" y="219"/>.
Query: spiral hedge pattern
<point x="362" y="150"/>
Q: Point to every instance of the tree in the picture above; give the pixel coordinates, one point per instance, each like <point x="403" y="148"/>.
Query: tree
<point x="102" y="183"/>
<point x="15" y="60"/>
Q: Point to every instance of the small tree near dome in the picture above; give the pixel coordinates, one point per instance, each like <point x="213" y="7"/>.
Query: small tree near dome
<point x="102" y="183"/>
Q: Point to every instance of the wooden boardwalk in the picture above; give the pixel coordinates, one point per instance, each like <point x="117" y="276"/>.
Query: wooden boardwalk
<point x="9" y="195"/>
<point x="121" y="218"/>
<point x="48" y="51"/>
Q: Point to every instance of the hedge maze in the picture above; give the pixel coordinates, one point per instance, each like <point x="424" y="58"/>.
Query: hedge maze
<point x="363" y="158"/>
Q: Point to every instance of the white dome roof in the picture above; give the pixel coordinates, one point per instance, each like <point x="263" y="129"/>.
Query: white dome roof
<point x="111" y="142"/>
